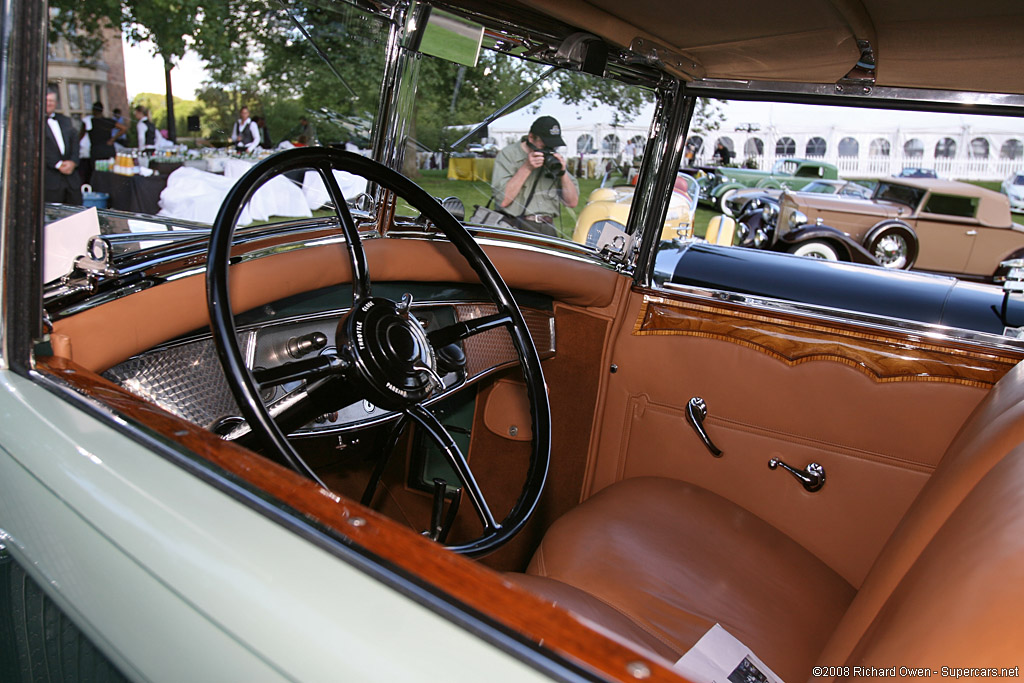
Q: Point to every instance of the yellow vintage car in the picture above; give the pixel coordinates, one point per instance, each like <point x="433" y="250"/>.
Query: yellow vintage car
<point x="608" y="208"/>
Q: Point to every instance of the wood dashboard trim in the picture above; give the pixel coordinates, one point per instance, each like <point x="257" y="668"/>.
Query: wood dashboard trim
<point x="472" y="585"/>
<point x="882" y="357"/>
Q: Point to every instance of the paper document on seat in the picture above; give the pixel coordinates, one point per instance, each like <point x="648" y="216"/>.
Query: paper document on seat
<point x="719" y="658"/>
<point x="65" y="240"/>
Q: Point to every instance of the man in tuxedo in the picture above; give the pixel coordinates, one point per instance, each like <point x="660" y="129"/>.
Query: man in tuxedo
<point x="60" y="157"/>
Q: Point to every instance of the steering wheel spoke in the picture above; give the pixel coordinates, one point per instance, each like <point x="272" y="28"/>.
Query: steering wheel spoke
<point x="360" y="269"/>
<point x="307" y="369"/>
<point x="462" y="330"/>
<point x="433" y="427"/>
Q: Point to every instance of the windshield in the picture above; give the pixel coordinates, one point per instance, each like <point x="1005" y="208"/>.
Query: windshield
<point x="901" y="194"/>
<point x="819" y="187"/>
<point x="536" y="167"/>
<point x="312" y="73"/>
<point x="784" y="167"/>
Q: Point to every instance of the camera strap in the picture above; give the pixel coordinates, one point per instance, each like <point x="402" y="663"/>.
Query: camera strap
<point x="533" y="188"/>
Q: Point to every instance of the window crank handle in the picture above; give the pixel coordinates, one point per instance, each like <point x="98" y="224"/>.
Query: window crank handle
<point x="812" y="477"/>
<point x="696" y="412"/>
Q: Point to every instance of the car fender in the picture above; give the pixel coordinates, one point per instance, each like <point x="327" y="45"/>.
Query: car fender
<point x="718" y="190"/>
<point x="847" y="248"/>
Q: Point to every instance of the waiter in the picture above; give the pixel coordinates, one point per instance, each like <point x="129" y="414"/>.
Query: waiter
<point x="60" y="157"/>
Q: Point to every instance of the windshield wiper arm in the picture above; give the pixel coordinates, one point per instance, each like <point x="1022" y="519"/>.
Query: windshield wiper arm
<point x="320" y="52"/>
<point x="505" y="107"/>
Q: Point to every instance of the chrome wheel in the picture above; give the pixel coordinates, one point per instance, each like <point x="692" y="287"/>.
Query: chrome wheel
<point x="892" y="250"/>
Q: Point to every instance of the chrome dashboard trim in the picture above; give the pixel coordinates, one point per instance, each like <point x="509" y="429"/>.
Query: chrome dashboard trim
<point x="186" y="258"/>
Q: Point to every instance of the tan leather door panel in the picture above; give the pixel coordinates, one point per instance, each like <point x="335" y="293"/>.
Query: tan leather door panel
<point x="875" y="416"/>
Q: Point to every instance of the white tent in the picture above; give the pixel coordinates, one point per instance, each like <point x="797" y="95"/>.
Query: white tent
<point x="587" y="131"/>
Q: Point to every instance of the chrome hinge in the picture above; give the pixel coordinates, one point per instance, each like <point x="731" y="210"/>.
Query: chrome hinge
<point x="861" y="78"/>
<point x="97" y="260"/>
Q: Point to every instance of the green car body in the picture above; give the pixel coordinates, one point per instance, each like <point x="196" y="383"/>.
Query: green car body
<point x="789" y="174"/>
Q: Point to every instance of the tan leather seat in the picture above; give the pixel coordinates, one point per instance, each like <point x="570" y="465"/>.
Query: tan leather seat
<point x="676" y="558"/>
<point x="671" y="559"/>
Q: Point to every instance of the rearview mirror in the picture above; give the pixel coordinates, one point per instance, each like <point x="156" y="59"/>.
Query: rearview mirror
<point x="452" y="37"/>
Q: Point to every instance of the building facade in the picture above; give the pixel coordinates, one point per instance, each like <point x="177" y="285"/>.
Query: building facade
<point x="79" y="83"/>
<point x="969" y="153"/>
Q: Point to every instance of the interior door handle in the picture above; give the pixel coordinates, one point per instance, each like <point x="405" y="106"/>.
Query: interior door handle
<point x="696" y="411"/>
<point x="972" y="233"/>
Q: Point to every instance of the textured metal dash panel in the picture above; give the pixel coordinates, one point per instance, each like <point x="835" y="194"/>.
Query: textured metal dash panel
<point x="493" y="348"/>
<point x="186" y="380"/>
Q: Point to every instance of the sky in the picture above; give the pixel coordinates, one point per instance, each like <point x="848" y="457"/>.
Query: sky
<point x="145" y="73"/>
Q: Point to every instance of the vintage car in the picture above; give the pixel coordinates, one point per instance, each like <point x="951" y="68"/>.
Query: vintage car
<point x="607" y="208"/>
<point x="379" y="444"/>
<point x="941" y="226"/>
<point x="740" y="201"/>
<point x="1013" y="188"/>
<point x="917" y="172"/>
<point x="791" y="174"/>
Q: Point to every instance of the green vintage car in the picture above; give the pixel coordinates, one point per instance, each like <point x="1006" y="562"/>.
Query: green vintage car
<point x="374" y="443"/>
<point x="787" y="174"/>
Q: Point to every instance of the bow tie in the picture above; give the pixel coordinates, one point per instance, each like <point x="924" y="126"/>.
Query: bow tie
<point x="53" y="116"/>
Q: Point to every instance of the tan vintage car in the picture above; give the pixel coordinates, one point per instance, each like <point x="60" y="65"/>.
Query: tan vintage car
<point x="941" y="226"/>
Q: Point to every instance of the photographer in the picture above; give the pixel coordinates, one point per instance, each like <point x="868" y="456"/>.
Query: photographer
<point x="530" y="181"/>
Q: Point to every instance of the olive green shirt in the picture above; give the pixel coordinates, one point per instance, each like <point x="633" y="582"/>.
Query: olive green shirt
<point x="546" y="199"/>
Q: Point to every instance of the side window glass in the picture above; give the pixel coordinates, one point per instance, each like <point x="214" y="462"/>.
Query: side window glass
<point x="949" y="205"/>
<point x="849" y="207"/>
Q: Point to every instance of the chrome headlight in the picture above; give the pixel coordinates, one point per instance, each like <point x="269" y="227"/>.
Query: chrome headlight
<point x="796" y="219"/>
<point x="761" y="238"/>
<point x="770" y="212"/>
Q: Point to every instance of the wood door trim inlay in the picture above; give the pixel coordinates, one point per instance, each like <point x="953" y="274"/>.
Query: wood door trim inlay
<point x="882" y="357"/>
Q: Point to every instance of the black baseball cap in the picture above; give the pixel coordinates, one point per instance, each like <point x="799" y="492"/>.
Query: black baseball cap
<point x="547" y="129"/>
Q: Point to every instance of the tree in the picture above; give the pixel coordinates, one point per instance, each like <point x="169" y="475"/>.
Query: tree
<point x="167" y="24"/>
<point x="707" y="116"/>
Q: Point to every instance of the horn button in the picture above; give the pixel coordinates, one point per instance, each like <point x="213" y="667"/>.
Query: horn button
<point x="390" y="350"/>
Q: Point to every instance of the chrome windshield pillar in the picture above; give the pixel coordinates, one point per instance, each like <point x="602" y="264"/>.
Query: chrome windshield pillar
<point x="657" y="176"/>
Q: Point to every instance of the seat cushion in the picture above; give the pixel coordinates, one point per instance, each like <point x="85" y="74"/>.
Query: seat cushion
<point x="676" y="558"/>
<point x="597" y="612"/>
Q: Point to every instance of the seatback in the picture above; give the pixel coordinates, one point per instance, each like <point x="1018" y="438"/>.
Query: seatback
<point x="953" y="570"/>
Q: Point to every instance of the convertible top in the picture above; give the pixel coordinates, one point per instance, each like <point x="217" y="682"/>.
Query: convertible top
<point x="993" y="207"/>
<point x="975" y="46"/>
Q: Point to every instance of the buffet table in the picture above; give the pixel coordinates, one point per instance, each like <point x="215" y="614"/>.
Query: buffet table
<point x="135" y="193"/>
<point x="196" y="195"/>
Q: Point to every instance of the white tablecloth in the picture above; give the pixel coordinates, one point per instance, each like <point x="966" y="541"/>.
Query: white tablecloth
<point x="195" y="195"/>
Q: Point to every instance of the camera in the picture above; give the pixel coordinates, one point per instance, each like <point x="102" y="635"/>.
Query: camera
<point x="552" y="166"/>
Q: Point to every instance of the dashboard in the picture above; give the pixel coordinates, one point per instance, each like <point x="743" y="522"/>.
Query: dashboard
<point x="185" y="377"/>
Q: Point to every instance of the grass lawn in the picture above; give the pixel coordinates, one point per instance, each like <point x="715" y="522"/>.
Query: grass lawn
<point x="477" y="192"/>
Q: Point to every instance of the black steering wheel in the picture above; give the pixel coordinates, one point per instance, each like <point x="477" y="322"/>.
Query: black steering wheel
<point x="383" y="354"/>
